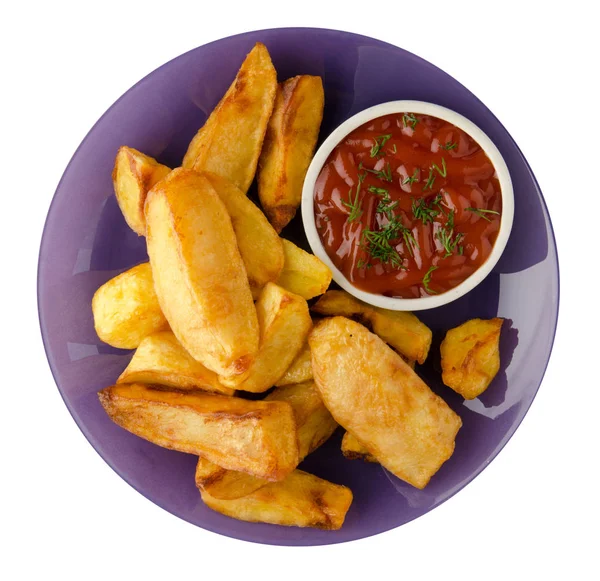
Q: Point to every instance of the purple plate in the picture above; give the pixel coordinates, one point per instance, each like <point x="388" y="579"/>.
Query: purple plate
<point x="86" y="241"/>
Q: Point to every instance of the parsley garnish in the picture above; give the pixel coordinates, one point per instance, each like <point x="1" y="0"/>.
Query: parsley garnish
<point x="427" y="280"/>
<point x="482" y="213"/>
<point x="379" y="143"/>
<point x="409" y="119"/>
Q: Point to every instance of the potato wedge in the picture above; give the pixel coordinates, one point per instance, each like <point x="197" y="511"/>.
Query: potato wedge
<point x="256" y="437"/>
<point x="160" y="359"/>
<point x="288" y="148"/>
<point x="199" y="275"/>
<point x="303" y="273"/>
<point x="401" y="329"/>
<point x="133" y="176"/>
<point x="230" y="141"/>
<point x="314" y="423"/>
<point x="284" y="323"/>
<point x="301" y="500"/>
<point x="375" y="395"/>
<point x="126" y="308"/>
<point x="299" y="371"/>
<point x="471" y="356"/>
<point x="354" y="450"/>
<point x="260" y="246"/>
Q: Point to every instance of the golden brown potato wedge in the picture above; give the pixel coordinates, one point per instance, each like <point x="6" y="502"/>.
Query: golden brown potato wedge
<point x="401" y="329"/>
<point x="471" y="356"/>
<point x="199" y="275"/>
<point x="354" y="450"/>
<point x="301" y="500"/>
<point x="126" y="308"/>
<point x="375" y="395"/>
<point x="160" y="359"/>
<point x="303" y="273"/>
<point x="256" y="437"/>
<point x="299" y="371"/>
<point x="314" y="424"/>
<point x="289" y="146"/>
<point x="260" y="246"/>
<point x="133" y="176"/>
<point x="284" y="323"/>
<point x="230" y="141"/>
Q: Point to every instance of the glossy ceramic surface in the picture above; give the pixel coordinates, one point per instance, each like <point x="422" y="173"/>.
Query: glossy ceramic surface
<point x="86" y="241"/>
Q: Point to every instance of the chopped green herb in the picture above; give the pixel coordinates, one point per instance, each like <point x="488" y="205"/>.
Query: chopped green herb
<point x="394" y="150"/>
<point x="427" y="280"/>
<point x="384" y="174"/>
<point x="386" y="206"/>
<point x="409" y="119"/>
<point x="448" y="238"/>
<point x="409" y="240"/>
<point x="377" y="244"/>
<point x="449" y="145"/>
<point x="413" y="178"/>
<point x="430" y="180"/>
<point x="379" y="143"/>
<point x="482" y="213"/>
<point x="443" y="172"/>
<point x="355" y="205"/>
<point x="363" y="264"/>
<point x="425" y="211"/>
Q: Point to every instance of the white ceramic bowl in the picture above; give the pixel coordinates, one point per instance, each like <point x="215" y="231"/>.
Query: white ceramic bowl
<point x="423" y="108"/>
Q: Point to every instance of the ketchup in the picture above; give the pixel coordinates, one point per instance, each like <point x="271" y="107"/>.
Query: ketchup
<point x="408" y="206"/>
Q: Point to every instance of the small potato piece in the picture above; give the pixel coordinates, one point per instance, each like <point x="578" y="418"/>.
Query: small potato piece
<point x="303" y="273"/>
<point x="230" y="141"/>
<point x="299" y="371"/>
<point x="284" y="322"/>
<point x="401" y="329"/>
<point x="301" y="500"/>
<point x="260" y="246"/>
<point x="288" y="147"/>
<point x="314" y="423"/>
<point x="471" y="356"/>
<point x="256" y="437"/>
<point x="160" y="359"/>
<point x="354" y="450"/>
<point x="372" y="393"/>
<point x="126" y="308"/>
<point x="133" y="176"/>
<point x="199" y="275"/>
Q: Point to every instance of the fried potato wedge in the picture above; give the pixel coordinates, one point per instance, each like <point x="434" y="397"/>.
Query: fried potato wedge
<point x="256" y="437"/>
<point x="303" y="274"/>
<point x="401" y="329"/>
<point x="289" y="145"/>
<point x="301" y="500"/>
<point x="354" y="450"/>
<point x="471" y="356"/>
<point x="126" y="308"/>
<point x="199" y="275"/>
<point x="230" y="141"/>
<point x="133" y="176"/>
<point x="375" y="395"/>
<point x="314" y="423"/>
<point x="284" y="322"/>
<point x="160" y="359"/>
<point x="299" y="371"/>
<point x="259" y="245"/>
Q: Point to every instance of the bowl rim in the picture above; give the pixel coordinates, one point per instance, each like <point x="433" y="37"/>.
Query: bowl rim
<point x="422" y="108"/>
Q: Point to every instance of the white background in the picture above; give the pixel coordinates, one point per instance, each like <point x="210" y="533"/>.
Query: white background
<point x="531" y="514"/>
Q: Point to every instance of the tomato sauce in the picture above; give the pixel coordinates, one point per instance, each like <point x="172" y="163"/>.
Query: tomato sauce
<point x="408" y="206"/>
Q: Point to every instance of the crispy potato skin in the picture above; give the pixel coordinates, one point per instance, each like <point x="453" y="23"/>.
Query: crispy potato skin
<point x="289" y="145"/>
<point x="375" y="395"/>
<point x="314" y="423"/>
<point x="471" y="356"/>
<point x="260" y="246"/>
<point x="300" y="369"/>
<point x="230" y="141"/>
<point x="134" y="174"/>
<point x="301" y="500"/>
<point x="160" y="359"/>
<point x="284" y="322"/>
<point x="249" y="436"/>
<point x="402" y="330"/>
<point x="199" y="275"/>
<point x="126" y="308"/>
<point x="354" y="450"/>
<point x="303" y="273"/>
